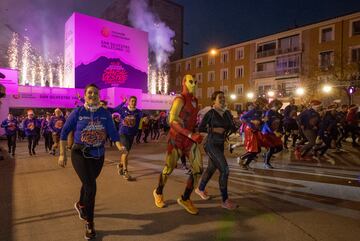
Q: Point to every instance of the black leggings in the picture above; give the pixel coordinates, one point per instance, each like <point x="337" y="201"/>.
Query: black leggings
<point x="48" y="140"/>
<point x="11" y="140"/>
<point x="32" y="143"/>
<point x="270" y="152"/>
<point x="155" y="133"/>
<point x="87" y="169"/>
<point x="217" y="160"/>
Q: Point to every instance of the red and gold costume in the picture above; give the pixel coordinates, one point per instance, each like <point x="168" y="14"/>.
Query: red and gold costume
<point x="182" y="140"/>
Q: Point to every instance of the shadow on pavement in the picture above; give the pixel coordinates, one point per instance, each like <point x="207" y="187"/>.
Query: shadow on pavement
<point x="7" y="169"/>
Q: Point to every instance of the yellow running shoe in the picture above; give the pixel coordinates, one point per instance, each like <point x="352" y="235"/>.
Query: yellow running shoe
<point x="188" y="205"/>
<point x="159" y="199"/>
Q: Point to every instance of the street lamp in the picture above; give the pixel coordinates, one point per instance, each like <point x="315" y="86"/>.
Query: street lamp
<point x="250" y="95"/>
<point x="271" y="93"/>
<point x="233" y="96"/>
<point x="327" y="88"/>
<point x="213" y="52"/>
<point x="300" y="91"/>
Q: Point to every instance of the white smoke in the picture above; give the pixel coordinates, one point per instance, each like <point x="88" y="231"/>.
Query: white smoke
<point x="160" y="35"/>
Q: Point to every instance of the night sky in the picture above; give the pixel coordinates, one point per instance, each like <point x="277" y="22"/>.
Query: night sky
<point x="215" y="23"/>
<point x="207" y="23"/>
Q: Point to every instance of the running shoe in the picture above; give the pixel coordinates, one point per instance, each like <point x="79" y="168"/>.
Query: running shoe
<point x="268" y="166"/>
<point x="159" y="199"/>
<point x="80" y="210"/>
<point x="229" y="205"/>
<point x="120" y="170"/>
<point x="188" y="205"/>
<point x="126" y="175"/>
<point x="90" y="231"/>
<point x="202" y="194"/>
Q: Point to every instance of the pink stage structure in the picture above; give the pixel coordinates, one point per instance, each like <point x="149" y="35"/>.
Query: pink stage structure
<point x="113" y="56"/>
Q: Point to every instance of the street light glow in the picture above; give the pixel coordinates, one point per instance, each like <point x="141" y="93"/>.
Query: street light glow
<point x="271" y="93"/>
<point x="327" y="88"/>
<point x="300" y="91"/>
<point x="233" y="96"/>
<point x="250" y="95"/>
<point x="213" y="52"/>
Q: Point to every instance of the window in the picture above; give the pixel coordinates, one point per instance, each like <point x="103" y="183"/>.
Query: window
<point x="355" y="27"/>
<point x="239" y="53"/>
<point x="266" y="49"/>
<point x="210" y="91"/>
<point x="188" y="65"/>
<point x="224" y="89"/>
<point x="238" y="107"/>
<point x="178" y="67"/>
<point x="211" y="60"/>
<point x="289" y="44"/>
<point x="239" y="89"/>
<point x="355" y="55"/>
<point x="265" y="67"/>
<point x="199" y="93"/>
<point x="326" y="34"/>
<point x="263" y="89"/>
<point x="178" y="81"/>
<point x="326" y="59"/>
<point x="211" y="76"/>
<point x="288" y="65"/>
<point x="199" y="63"/>
<point x="199" y="77"/>
<point x="223" y="74"/>
<point x="224" y="57"/>
<point x="239" y="72"/>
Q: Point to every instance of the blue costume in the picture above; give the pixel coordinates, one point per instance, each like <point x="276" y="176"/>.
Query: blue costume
<point x="11" y="127"/>
<point x="87" y="154"/>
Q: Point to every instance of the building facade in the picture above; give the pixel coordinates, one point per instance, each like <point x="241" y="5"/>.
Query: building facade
<point x="327" y="52"/>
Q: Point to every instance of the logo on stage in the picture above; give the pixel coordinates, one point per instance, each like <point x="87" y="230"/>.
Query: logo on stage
<point x="105" y="31"/>
<point x="115" y="74"/>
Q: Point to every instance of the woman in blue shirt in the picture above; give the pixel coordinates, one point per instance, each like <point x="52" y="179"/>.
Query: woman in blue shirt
<point x="90" y="124"/>
<point x="11" y="126"/>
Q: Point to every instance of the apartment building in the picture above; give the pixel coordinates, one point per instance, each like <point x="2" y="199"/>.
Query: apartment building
<point x="326" y="52"/>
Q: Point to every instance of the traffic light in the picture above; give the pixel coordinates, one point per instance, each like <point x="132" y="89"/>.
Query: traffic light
<point x="351" y="90"/>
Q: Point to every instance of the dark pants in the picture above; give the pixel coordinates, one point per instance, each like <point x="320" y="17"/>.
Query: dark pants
<point x="271" y="151"/>
<point x="87" y="169"/>
<point x="138" y="136"/>
<point x="249" y="157"/>
<point x="146" y="134"/>
<point x="311" y="138"/>
<point x="11" y="140"/>
<point x="217" y="160"/>
<point x="155" y="133"/>
<point x="32" y="141"/>
<point x="327" y="144"/>
<point x="48" y="140"/>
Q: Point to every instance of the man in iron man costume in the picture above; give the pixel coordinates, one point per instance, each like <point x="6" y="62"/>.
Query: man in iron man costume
<point x="182" y="140"/>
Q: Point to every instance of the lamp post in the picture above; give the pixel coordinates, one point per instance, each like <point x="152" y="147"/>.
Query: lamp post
<point x="250" y="95"/>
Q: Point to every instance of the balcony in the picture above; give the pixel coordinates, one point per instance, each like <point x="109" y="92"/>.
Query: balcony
<point x="264" y="74"/>
<point x="266" y="53"/>
<point x="272" y="52"/>
<point x="288" y="50"/>
<point x="290" y="71"/>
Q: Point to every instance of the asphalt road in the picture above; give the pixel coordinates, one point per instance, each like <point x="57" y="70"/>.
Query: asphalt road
<point x="313" y="200"/>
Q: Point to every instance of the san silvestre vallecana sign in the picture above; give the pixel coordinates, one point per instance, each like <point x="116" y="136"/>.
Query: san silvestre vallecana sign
<point x="104" y="53"/>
